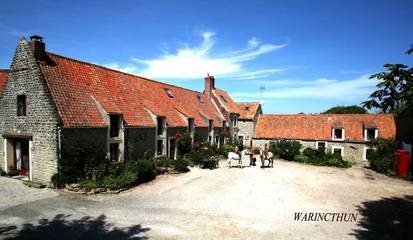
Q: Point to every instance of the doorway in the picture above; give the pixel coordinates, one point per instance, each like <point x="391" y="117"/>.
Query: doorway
<point x="21" y="157"/>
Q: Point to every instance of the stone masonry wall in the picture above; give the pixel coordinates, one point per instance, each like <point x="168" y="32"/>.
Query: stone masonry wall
<point x="138" y="141"/>
<point x="42" y="118"/>
<point x="90" y="137"/>
<point x="246" y="129"/>
<point x="353" y="152"/>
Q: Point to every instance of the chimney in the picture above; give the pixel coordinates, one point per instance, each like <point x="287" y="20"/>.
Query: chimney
<point x="209" y="85"/>
<point x="38" y="47"/>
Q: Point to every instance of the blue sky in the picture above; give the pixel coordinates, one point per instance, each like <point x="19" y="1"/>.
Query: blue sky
<point x="309" y="55"/>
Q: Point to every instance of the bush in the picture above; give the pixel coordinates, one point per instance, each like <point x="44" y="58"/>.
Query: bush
<point x="301" y="158"/>
<point x="163" y="162"/>
<point x="184" y="143"/>
<point x="320" y="158"/>
<point x="126" y="179"/>
<point x="382" y="156"/>
<point x="144" y="169"/>
<point x="2" y="172"/>
<point x="225" y="149"/>
<point x="285" y="149"/>
<point x="181" y="165"/>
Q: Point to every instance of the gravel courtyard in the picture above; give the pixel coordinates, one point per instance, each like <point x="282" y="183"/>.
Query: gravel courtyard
<point x="248" y="203"/>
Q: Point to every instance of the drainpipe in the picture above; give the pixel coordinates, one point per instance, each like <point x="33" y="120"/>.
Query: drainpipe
<point x="59" y="139"/>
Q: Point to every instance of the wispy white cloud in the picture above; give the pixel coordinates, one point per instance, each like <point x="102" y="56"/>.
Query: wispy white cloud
<point x="322" y="88"/>
<point x="127" y="68"/>
<point x="195" y="62"/>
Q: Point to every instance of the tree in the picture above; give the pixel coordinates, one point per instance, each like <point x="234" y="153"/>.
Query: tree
<point x="346" y="110"/>
<point x="395" y="88"/>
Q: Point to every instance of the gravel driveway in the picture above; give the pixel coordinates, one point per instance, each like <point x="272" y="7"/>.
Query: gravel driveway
<point x="248" y="203"/>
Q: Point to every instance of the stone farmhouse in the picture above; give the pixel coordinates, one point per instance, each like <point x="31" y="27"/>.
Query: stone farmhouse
<point x="50" y="103"/>
<point x="344" y="134"/>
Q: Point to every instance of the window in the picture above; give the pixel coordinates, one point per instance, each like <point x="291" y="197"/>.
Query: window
<point x="159" y="147"/>
<point x="200" y="99"/>
<point x="370" y="133"/>
<point x="367" y="153"/>
<point x="190" y="125"/>
<point x="223" y="98"/>
<point x="224" y="124"/>
<point x="169" y="92"/>
<point x="321" y="146"/>
<point x="247" y="108"/>
<point x="114" y="151"/>
<point x="160" y="124"/>
<point x="210" y="126"/>
<point x="338" y="151"/>
<point x="234" y="121"/>
<point x="210" y="140"/>
<point x="114" y="125"/>
<point x="338" y="134"/>
<point x="217" y="140"/>
<point x="21" y="105"/>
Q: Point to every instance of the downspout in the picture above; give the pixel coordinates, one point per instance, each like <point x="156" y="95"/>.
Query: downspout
<point x="59" y="139"/>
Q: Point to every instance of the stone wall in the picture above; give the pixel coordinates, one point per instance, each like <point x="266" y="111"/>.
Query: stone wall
<point x="90" y="137"/>
<point x="246" y="129"/>
<point x="138" y="141"/>
<point x="42" y="118"/>
<point x="352" y="152"/>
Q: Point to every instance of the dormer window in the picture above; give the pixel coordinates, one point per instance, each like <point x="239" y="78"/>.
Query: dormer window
<point x="247" y="108"/>
<point x="160" y="125"/>
<point x="370" y="133"/>
<point x="169" y="92"/>
<point x="115" y="123"/>
<point x="190" y="125"/>
<point x="21" y="105"/>
<point x="338" y="134"/>
<point x="200" y="99"/>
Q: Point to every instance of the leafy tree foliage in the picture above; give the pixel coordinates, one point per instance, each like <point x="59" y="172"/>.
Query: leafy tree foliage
<point x="346" y="110"/>
<point x="395" y="88"/>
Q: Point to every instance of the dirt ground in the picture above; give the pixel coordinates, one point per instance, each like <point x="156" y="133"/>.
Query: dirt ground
<point x="226" y="203"/>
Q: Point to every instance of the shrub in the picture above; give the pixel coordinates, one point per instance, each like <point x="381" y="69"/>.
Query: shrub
<point x="285" y="149"/>
<point x="126" y="179"/>
<point x="2" y="172"/>
<point x="382" y="156"/>
<point x="181" y="165"/>
<point x="301" y="158"/>
<point x="320" y="158"/>
<point x="145" y="170"/>
<point x="163" y="162"/>
<point x="226" y="148"/>
<point x="184" y="143"/>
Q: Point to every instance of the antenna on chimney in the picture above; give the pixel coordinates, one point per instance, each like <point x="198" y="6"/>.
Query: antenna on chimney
<point x="262" y="88"/>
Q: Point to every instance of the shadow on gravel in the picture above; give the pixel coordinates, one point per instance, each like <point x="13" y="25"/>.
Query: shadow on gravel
<point x="60" y="227"/>
<point x="387" y="218"/>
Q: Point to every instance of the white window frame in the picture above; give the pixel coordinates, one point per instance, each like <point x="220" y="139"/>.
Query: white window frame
<point x="376" y="133"/>
<point x="343" y="134"/>
<point x="316" y="145"/>
<point x="235" y="121"/>
<point x="337" y="147"/>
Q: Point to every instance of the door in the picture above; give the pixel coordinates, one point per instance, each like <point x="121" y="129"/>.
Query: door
<point x="21" y="157"/>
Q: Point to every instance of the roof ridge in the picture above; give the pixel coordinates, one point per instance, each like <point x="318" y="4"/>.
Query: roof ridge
<point x="129" y="74"/>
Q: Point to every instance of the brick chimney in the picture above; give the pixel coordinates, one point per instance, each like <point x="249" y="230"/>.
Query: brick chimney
<point x="38" y="47"/>
<point x="209" y="85"/>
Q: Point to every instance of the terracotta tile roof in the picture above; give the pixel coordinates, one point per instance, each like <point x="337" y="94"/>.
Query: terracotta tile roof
<point x="3" y="78"/>
<point x="78" y="88"/>
<point x="319" y="126"/>
<point x="225" y="100"/>
<point x="248" y="110"/>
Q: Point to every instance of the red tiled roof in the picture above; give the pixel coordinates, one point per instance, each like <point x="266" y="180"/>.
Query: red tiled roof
<point x="248" y="110"/>
<point x="76" y="87"/>
<point x="3" y="78"/>
<point x="319" y="126"/>
<point x="225" y="100"/>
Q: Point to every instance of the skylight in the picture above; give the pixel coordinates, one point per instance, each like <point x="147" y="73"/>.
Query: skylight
<point x="223" y="98"/>
<point x="169" y="92"/>
<point x="200" y="99"/>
